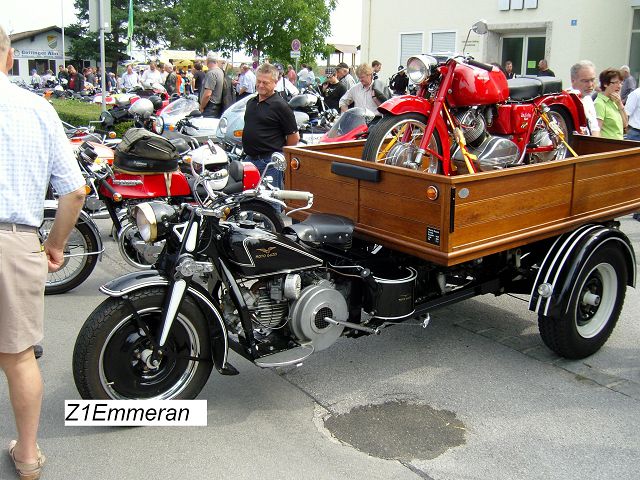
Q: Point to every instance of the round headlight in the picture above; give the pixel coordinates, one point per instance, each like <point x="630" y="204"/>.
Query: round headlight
<point x="420" y="67"/>
<point x="146" y="222"/>
<point x="150" y="219"/>
<point x="222" y="126"/>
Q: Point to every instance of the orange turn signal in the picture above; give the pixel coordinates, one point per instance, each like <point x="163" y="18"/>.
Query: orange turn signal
<point x="117" y="197"/>
<point x="186" y="159"/>
<point x="87" y="189"/>
<point x="295" y="164"/>
<point x="172" y="128"/>
<point x="111" y="135"/>
<point x="432" y="192"/>
<point x="237" y="133"/>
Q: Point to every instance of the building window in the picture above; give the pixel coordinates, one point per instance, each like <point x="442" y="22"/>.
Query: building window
<point x="443" y="42"/>
<point x="634" y="52"/>
<point x="15" y="70"/>
<point x="42" y="65"/>
<point x="410" y="45"/>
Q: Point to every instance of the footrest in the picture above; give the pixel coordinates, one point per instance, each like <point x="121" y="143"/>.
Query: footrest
<point x="285" y="358"/>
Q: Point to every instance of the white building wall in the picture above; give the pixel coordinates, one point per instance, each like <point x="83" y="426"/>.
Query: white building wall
<point x="601" y="30"/>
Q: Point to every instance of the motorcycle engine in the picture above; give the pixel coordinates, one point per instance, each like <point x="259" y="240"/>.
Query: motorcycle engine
<point x="276" y="301"/>
<point x="492" y="152"/>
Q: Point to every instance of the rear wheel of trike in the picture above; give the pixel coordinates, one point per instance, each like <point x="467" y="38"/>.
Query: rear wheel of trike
<point x="395" y="140"/>
<point x="111" y="358"/>
<point x="594" y="307"/>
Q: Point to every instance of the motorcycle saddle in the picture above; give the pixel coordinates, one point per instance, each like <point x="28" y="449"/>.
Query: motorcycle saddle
<point x="322" y="228"/>
<point x="526" y="88"/>
<point x="181" y="145"/>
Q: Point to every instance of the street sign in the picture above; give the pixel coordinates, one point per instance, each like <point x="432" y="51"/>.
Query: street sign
<point x="295" y="45"/>
<point x="94" y="15"/>
<point x="295" y="53"/>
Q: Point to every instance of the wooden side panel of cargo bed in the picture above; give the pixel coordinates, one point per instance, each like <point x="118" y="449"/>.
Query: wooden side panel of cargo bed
<point x="610" y="180"/>
<point x="397" y="208"/>
<point x="496" y="207"/>
<point x="331" y="193"/>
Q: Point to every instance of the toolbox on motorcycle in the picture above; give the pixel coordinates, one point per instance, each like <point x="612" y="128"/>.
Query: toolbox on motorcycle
<point x="471" y="216"/>
<point x="143" y="152"/>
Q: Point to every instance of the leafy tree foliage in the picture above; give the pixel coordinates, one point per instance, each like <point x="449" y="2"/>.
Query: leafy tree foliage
<point x="266" y="25"/>
<point x="154" y="26"/>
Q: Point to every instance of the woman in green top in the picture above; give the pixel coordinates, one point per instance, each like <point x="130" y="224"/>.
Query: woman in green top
<point x="612" y="118"/>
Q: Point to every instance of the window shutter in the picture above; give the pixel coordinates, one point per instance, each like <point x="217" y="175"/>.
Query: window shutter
<point x="410" y="45"/>
<point x="443" y="42"/>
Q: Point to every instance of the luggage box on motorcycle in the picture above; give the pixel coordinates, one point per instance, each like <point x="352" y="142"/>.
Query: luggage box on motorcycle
<point x="473" y="215"/>
<point x="143" y="152"/>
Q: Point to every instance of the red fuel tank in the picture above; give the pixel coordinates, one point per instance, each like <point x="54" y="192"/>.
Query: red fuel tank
<point x="147" y="187"/>
<point x="475" y="86"/>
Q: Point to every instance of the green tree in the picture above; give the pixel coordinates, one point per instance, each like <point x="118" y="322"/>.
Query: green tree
<point x="266" y="25"/>
<point x="154" y="24"/>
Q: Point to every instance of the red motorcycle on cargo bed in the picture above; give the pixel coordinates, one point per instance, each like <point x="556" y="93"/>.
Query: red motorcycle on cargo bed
<point x="466" y="117"/>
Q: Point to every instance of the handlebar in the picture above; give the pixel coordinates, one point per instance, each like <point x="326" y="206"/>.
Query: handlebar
<point x="484" y="66"/>
<point x="292" y="195"/>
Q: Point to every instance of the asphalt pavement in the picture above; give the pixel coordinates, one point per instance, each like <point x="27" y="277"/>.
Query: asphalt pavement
<point x="475" y="395"/>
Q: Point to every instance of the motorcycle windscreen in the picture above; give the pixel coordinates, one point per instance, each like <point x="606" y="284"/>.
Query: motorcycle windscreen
<point x="348" y="121"/>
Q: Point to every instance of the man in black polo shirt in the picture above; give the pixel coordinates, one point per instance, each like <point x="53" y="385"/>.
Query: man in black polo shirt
<point x="269" y="123"/>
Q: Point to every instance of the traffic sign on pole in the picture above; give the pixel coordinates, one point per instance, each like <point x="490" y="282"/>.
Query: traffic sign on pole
<point x="295" y="53"/>
<point x="295" y="45"/>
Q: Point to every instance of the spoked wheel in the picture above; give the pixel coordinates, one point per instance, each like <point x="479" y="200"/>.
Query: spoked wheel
<point x="544" y="136"/>
<point x="594" y="308"/>
<point x="395" y="140"/>
<point x="81" y="256"/>
<point x="264" y="215"/>
<point x="113" y="357"/>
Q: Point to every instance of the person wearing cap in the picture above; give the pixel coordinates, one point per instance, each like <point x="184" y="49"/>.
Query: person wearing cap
<point x="332" y="89"/>
<point x="211" y="98"/>
<point x="344" y="76"/>
<point x="399" y="82"/>
<point x="269" y="123"/>
<point x="246" y="81"/>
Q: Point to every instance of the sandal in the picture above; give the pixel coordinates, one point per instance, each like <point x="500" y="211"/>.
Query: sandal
<point x="27" y="471"/>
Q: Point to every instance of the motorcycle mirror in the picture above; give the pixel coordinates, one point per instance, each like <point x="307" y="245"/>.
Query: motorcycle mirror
<point x="279" y="161"/>
<point x="480" y="27"/>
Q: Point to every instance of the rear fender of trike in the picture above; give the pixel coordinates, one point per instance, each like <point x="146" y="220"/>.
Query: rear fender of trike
<point x="564" y="262"/>
<point x="135" y="281"/>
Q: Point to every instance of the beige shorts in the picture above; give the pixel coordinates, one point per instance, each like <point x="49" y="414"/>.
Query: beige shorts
<point x="23" y="273"/>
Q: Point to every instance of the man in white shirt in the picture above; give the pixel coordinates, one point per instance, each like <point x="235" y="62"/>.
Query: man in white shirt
<point x="246" y="82"/>
<point x="303" y="76"/>
<point x="583" y="82"/>
<point x="632" y="107"/>
<point x="363" y="94"/>
<point x="151" y="75"/>
<point x="130" y="79"/>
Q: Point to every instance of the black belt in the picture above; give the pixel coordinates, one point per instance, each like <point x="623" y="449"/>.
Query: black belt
<point x="18" y="227"/>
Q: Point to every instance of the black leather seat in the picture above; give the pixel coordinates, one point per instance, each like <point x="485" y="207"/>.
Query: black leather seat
<point x="322" y="228"/>
<point x="181" y="145"/>
<point x="526" y="88"/>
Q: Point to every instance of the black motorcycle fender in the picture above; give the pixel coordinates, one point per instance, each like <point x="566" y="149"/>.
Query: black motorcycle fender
<point x="565" y="261"/>
<point x="135" y="281"/>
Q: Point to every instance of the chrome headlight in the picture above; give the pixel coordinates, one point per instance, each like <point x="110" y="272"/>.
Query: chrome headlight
<point x="153" y="220"/>
<point x="420" y="67"/>
<point x="158" y="125"/>
<point x="222" y="127"/>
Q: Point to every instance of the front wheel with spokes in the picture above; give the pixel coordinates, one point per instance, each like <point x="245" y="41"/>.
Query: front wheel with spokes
<point x="395" y="140"/>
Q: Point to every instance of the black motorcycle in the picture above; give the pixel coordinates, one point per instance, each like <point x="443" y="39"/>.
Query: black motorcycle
<point x="273" y="298"/>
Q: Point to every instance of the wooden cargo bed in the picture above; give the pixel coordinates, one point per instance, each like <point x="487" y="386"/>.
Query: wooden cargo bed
<point x="474" y="215"/>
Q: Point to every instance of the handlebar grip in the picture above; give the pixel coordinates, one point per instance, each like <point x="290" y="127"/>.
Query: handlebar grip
<point x="108" y="186"/>
<point x="484" y="66"/>
<point x="292" y="195"/>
